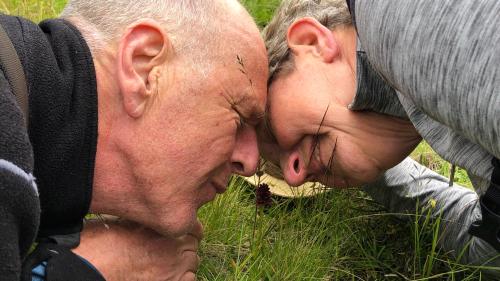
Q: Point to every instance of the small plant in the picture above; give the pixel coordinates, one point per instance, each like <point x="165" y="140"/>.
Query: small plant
<point x="243" y="69"/>
<point x="263" y="196"/>
<point x="262" y="200"/>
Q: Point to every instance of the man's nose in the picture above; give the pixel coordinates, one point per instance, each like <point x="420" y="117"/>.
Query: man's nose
<point x="294" y="168"/>
<point x="245" y="157"/>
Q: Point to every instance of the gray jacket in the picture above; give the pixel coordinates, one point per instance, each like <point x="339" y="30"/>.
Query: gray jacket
<point x="441" y="59"/>
<point x="436" y="63"/>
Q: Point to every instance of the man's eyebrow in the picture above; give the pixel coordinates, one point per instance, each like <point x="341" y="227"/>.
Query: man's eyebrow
<point x="254" y="119"/>
<point x="258" y="117"/>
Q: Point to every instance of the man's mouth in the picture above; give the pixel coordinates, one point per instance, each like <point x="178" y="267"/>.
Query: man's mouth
<point x="219" y="188"/>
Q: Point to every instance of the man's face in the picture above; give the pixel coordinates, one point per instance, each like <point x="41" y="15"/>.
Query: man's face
<point x="200" y="131"/>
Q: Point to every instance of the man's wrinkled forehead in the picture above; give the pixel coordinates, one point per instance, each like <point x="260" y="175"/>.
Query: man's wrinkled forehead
<point x="253" y="67"/>
<point x="254" y="101"/>
<point x="244" y="55"/>
<point x="258" y="112"/>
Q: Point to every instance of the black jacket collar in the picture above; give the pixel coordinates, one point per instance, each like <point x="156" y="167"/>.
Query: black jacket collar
<point x="63" y="117"/>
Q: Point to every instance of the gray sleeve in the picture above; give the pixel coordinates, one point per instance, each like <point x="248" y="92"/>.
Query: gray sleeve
<point x="409" y="186"/>
<point x="443" y="56"/>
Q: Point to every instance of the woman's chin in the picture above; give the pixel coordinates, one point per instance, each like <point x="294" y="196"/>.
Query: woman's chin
<point x="342" y="181"/>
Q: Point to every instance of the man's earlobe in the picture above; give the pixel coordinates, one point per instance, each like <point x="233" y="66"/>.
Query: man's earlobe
<point x="142" y="51"/>
<point x="308" y="36"/>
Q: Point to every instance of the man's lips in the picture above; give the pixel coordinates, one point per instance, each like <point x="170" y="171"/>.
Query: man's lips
<point x="211" y="189"/>
<point x="219" y="188"/>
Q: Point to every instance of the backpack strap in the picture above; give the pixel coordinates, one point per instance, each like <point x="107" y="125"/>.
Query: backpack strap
<point x="14" y="73"/>
<point x="488" y="228"/>
<point x="61" y="264"/>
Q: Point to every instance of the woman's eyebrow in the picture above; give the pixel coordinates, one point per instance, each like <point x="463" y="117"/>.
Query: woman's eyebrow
<point x="267" y="128"/>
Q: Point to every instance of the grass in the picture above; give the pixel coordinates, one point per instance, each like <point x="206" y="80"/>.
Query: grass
<point x="261" y="10"/>
<point x="339" y="235"/>
<point x="34" y="10"/>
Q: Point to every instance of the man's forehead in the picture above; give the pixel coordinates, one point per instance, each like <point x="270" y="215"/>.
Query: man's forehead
<point x="255" y="102"/>
<point x="253" y="69"/>
<point x="244" y="60"/>
<point x="258" y="115"/>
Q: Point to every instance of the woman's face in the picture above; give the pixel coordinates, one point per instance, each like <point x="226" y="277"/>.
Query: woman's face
<point x="313" y="135"/>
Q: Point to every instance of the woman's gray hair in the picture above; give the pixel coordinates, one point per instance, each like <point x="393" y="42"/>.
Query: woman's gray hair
<point x="330" y="13"/>
<point x="192" y="25"/>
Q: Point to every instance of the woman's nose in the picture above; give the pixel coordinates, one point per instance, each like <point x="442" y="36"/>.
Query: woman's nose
<point x="294" y="168"/>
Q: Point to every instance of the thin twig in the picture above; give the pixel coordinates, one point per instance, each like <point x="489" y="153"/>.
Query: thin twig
<point x="259" y="174"/>
<point x="316" y="136"/>
<point x="330" y="166"/>
<point x="452" y="174"/>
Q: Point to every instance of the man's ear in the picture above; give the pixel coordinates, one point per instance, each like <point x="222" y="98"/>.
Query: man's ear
<point x="308" y="36"/>
<point x="143" y="49"/>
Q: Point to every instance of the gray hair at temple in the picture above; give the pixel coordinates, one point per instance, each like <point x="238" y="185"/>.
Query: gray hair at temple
<point x="330" y="13"/>
<point x="193" y="26"/>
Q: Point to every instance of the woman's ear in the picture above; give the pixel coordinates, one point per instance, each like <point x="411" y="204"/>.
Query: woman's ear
<point x="142" y="51"/>
<point x="308" y="36"/>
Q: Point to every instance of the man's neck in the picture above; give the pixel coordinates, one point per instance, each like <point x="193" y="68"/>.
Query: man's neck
<point x="109" y="175"/>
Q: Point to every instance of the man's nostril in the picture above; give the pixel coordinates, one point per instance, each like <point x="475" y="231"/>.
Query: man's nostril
<point x="238" y="167"/>
<point x="296" y="165"/>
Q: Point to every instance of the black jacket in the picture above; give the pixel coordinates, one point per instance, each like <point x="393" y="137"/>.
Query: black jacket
<point x="59" y="149"/>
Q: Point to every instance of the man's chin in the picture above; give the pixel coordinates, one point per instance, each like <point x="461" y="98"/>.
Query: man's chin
<point x="176" y="225"/>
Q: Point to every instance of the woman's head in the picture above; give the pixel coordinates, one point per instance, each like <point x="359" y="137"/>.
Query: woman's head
<point x="312" y="133"/>
<point x="330" y="13"/>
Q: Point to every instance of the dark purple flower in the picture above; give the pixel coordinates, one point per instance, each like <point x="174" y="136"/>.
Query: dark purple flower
<point x="263" y="196"/>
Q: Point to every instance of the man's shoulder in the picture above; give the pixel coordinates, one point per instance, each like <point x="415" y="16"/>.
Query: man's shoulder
<point x="13" y="24"/>
<point x="19" y="203"/>
<point x="14" y="141"/>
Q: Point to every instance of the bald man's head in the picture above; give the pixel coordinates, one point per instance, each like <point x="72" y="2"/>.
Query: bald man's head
<point x="194" y="26"/>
